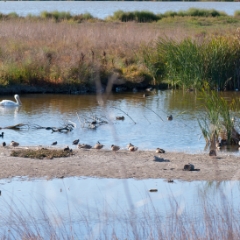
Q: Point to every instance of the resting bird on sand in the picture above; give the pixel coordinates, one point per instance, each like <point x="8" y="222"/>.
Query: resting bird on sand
<point x="98" y="145"/>
<point x="84" y="146"/>
<point x="10" y="103"/>
<point x="133" y="149"/>
<point x="14" y="144"/>
<point x="115" y="148"/>
<point x="160" y="150"/>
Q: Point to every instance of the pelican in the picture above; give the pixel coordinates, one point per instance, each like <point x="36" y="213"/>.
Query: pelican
<point x="10" y="103"/>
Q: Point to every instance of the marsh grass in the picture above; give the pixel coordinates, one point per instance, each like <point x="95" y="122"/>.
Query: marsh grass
<point x="53" y="50"/>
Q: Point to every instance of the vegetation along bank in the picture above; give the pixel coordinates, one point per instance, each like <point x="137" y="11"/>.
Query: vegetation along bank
<point x="58" y="52"/>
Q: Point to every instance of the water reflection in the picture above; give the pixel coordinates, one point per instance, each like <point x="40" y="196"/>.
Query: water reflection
<point x="113" y="200"/>
<point x="151" y="130"/>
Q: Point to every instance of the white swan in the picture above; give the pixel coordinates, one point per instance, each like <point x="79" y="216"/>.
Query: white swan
<point x="11" y="103"/>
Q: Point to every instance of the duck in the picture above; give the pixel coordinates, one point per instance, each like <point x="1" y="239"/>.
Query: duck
<point x="14" y="144"/>
<point x="75" y="142"/>
<point x="98" y="145"/>
<point x="115" y="148"/>
<point x="54" y="143"/>
<point x="85" y="146"/>
<point x="120" y="118"/>
<point x="66" y="149"/>
<point x="132" y="148"/>
<point x="170" y="118"/>
<point x="2" y="134"/>
<point x="129" y="145"/>
<point x="160" y="150"/>
<point x="10" y="103"/>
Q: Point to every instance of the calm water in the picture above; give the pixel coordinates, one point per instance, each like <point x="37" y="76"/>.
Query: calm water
<point x="150" y="115"/>
<point x="84" y="203"/>
<point x="103" y="9"/>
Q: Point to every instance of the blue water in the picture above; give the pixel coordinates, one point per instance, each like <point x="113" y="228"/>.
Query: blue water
<point x="86" y="203"/>
<point x="103" y="9"/>
<point x="145" y="123"/>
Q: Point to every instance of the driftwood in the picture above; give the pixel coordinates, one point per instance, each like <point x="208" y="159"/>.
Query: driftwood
<point x="21" y="126"/>
<point x="17" y="126"/>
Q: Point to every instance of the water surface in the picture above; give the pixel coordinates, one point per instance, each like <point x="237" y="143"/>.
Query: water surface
<point x="145" y="124"/>
<point x="85" y="205"/>
<point x="103" y="9"/>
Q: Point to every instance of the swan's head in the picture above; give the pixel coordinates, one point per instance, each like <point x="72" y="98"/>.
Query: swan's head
<point x="16" y="96"/>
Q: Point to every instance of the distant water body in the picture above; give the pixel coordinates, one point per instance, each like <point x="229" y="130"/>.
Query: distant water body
<point x="103" y="9"/>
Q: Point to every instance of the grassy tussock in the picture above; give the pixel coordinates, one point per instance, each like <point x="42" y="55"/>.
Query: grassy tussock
<point x="41" y="153"/>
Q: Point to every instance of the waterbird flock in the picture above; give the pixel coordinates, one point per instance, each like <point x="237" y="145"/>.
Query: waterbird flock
<point x="98" y="145"/>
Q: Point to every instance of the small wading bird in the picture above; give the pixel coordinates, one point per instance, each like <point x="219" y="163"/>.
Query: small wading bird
<point x="11" y="103"/>
<point x="115" y="148"/>
<point x="54" y="143"/>
<point x="160" y="150"/>
<point x="14" y="144"/>
<point x="2" y="134"/>
<point x="75" y="142"/>
<point x="98" y="145"/>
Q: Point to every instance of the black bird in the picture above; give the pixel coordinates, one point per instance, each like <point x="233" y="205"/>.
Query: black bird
<point x="66" y="149"/>
<point x="54" y="143"/>
<point x="75" y="142"/>
<point x="2" y="134"/>
<point x="4" y="144"/>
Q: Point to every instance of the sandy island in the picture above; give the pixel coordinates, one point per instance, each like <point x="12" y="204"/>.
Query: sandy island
<point x="123" y="164"/>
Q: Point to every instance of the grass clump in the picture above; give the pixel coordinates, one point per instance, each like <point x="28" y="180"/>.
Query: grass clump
<point x="137" y="16"/>
<point x="41" y="153"/>
<point x="219" y="123"/>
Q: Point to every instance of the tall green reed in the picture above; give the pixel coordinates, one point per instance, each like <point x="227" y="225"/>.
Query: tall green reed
<point x="218" y="121"/>
<point x="189" y="63"/>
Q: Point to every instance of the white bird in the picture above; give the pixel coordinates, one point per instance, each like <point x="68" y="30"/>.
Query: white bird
<point x="10" y="103"/>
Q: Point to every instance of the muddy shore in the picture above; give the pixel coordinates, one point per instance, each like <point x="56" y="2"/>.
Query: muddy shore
<point x="123" y="164"/>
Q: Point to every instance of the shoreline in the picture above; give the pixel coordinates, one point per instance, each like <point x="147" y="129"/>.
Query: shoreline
<point x="122" y="165"/>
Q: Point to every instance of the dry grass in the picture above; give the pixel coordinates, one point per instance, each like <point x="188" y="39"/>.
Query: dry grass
<point x="41" y="153"/>
<point x="34" y="52"/>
